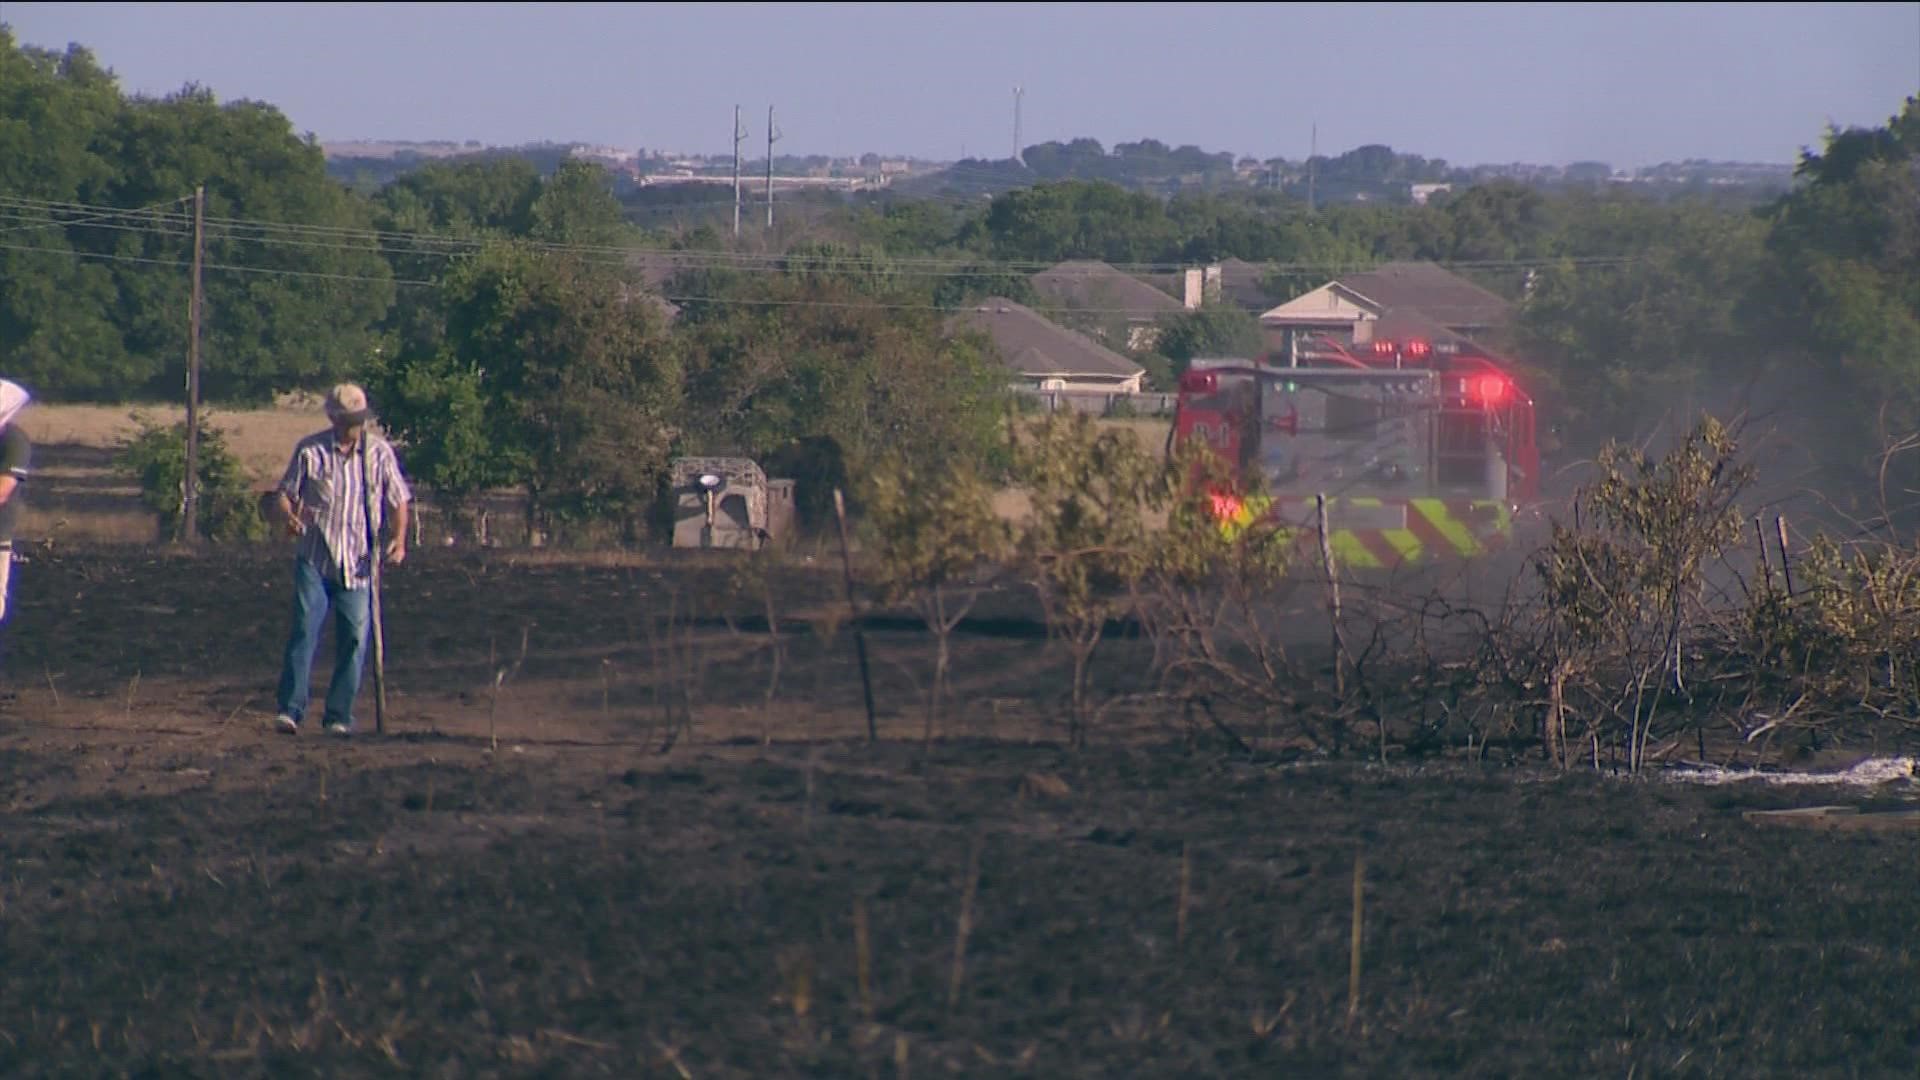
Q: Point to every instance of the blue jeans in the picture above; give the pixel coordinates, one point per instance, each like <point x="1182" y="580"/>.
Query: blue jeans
<point x="312" y="594"/>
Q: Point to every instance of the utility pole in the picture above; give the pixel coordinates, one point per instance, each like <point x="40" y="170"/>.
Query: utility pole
<point x="773" y="136"/>
<point x="739" y="136"/>
<point x="1313" y="151"/>
<point x="1018" y="93"/>
<point x="190" y="508"/>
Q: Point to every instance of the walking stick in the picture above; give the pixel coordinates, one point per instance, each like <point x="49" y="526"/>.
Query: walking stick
<point x="373" y="574"/>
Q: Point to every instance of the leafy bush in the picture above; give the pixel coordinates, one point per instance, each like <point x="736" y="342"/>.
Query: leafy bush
<point x="156" y="458"/>
<point x="938" y="540"/>
<point x="1624" y="585"/>
<point x="1088" y="544"/>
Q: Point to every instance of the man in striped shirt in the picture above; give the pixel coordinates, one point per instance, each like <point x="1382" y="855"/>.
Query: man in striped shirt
<point x="321" y="500"/>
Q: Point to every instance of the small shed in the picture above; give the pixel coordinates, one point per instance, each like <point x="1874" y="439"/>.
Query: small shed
<point x="728" y="502"/>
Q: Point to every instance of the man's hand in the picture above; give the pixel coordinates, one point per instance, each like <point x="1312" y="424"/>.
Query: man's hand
<point x="397" y="550"/>
<point x="276" y="508"/>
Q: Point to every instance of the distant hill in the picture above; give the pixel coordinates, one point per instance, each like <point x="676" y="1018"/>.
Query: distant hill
<point x="1372" y="173"/>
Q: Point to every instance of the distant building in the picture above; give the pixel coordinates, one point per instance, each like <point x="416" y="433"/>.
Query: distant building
<point x="1043" y="355"/>
<point x="1231" y="281"/>
<point x="1422" y="192"/>
<point x="1350" y="309"/>
<point x="1098" y="289"/>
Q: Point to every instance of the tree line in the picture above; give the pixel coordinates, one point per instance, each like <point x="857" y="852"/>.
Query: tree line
<point x="528" y="328"/>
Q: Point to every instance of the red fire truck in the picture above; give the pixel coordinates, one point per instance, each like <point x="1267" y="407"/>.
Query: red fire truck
<point x="1422" y="451"/>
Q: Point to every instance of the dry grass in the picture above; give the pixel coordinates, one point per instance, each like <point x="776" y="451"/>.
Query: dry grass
<point x="261" y="438"/>
<point x="76" y="495"/>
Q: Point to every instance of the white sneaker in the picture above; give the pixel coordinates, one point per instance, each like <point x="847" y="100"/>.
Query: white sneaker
<point x="286" y="725"/>
<point x="337" y="728"/>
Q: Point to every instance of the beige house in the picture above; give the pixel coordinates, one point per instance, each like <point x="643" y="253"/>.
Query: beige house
<point x="1348" y="309"/>
<point x="1046" y="356"/>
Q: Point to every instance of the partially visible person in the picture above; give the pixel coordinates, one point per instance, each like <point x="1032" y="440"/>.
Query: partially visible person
<point x="16" y="454"/>
<point x="320" y="501"/>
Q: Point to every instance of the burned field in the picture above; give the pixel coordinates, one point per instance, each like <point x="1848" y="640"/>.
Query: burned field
<point x="637" y="852"/>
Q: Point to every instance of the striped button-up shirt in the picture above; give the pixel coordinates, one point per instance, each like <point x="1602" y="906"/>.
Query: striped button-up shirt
<point x="324" y="485"/>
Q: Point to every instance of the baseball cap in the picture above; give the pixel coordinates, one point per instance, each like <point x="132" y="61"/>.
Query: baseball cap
<point x="347" y="402"/>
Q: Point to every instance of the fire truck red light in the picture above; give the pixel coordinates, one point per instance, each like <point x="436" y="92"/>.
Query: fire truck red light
<point x="1490" y="389"/>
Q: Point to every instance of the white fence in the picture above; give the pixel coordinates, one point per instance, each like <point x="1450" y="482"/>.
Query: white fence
<point x="1101" y="404"/>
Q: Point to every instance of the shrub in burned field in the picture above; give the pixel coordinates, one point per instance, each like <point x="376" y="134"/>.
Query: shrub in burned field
<point x="1837" y="641"/>
<point x="1087" y="543"/>
<point x="1211" y="600"/>
<point x="156" y="458"/>
<point x="937" y="539"/>
<point x="1648" y="626"/>
<point x="1624" y="591"/>
<point x="1639" y="626"/>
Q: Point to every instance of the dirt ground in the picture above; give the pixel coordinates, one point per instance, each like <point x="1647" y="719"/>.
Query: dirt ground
<point x="599" y="838"/>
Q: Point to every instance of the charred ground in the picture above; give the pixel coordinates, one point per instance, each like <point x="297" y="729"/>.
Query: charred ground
<point x="661" y="870"/>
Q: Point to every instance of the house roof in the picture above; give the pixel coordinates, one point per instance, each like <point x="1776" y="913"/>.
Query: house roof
<point x="1330" y="304"/>
<point x="1037" y="347"/>
<point x="1241" y="282"/>
<point x="1434" y="291"/>
<point x="1097" y="286"/>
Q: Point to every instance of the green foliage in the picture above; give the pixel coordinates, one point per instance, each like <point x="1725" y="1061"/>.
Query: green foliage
<point x="1623" y="586"/>
<point x="937" y="540"/>
<point x="90" y="312"/>
<point x="1845" y="301"/>
<point x="1087" y="544"/>
<point x="155" y="458"/>
<point x="1850" y="636"/>
<point x="553" y="376"/>
<point x="815" y="357"/>
<point x="1211" y="332"/>
<point x="576" y="206"/>
<point x="1051" y="222"/>
<point x="1617" y="349"/>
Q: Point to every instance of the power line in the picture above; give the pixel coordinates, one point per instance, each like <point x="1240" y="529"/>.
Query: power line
<point x="225" y="267"/>
<point x="92" y="217"/>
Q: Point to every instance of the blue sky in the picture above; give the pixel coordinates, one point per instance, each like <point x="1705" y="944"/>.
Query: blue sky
<point x="1630" y="84"/>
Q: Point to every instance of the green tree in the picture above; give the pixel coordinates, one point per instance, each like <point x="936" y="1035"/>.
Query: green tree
<point x="576" y="206"/>
<point x="783" y="358"/>
<point x="155" y="458"/>
<point x="553" y="376"/>
<point x="1617" y="349"/>
<point x="94" y="307"/>
<point x="1087" y="541"/>
<point x="1214" y="331"/>
<point x="937" y="539"/>
<point x="1844" y="302"/>
<point x="1077" y="220"/>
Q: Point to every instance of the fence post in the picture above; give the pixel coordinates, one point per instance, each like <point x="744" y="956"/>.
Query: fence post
<point x="1333" y="601"/>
